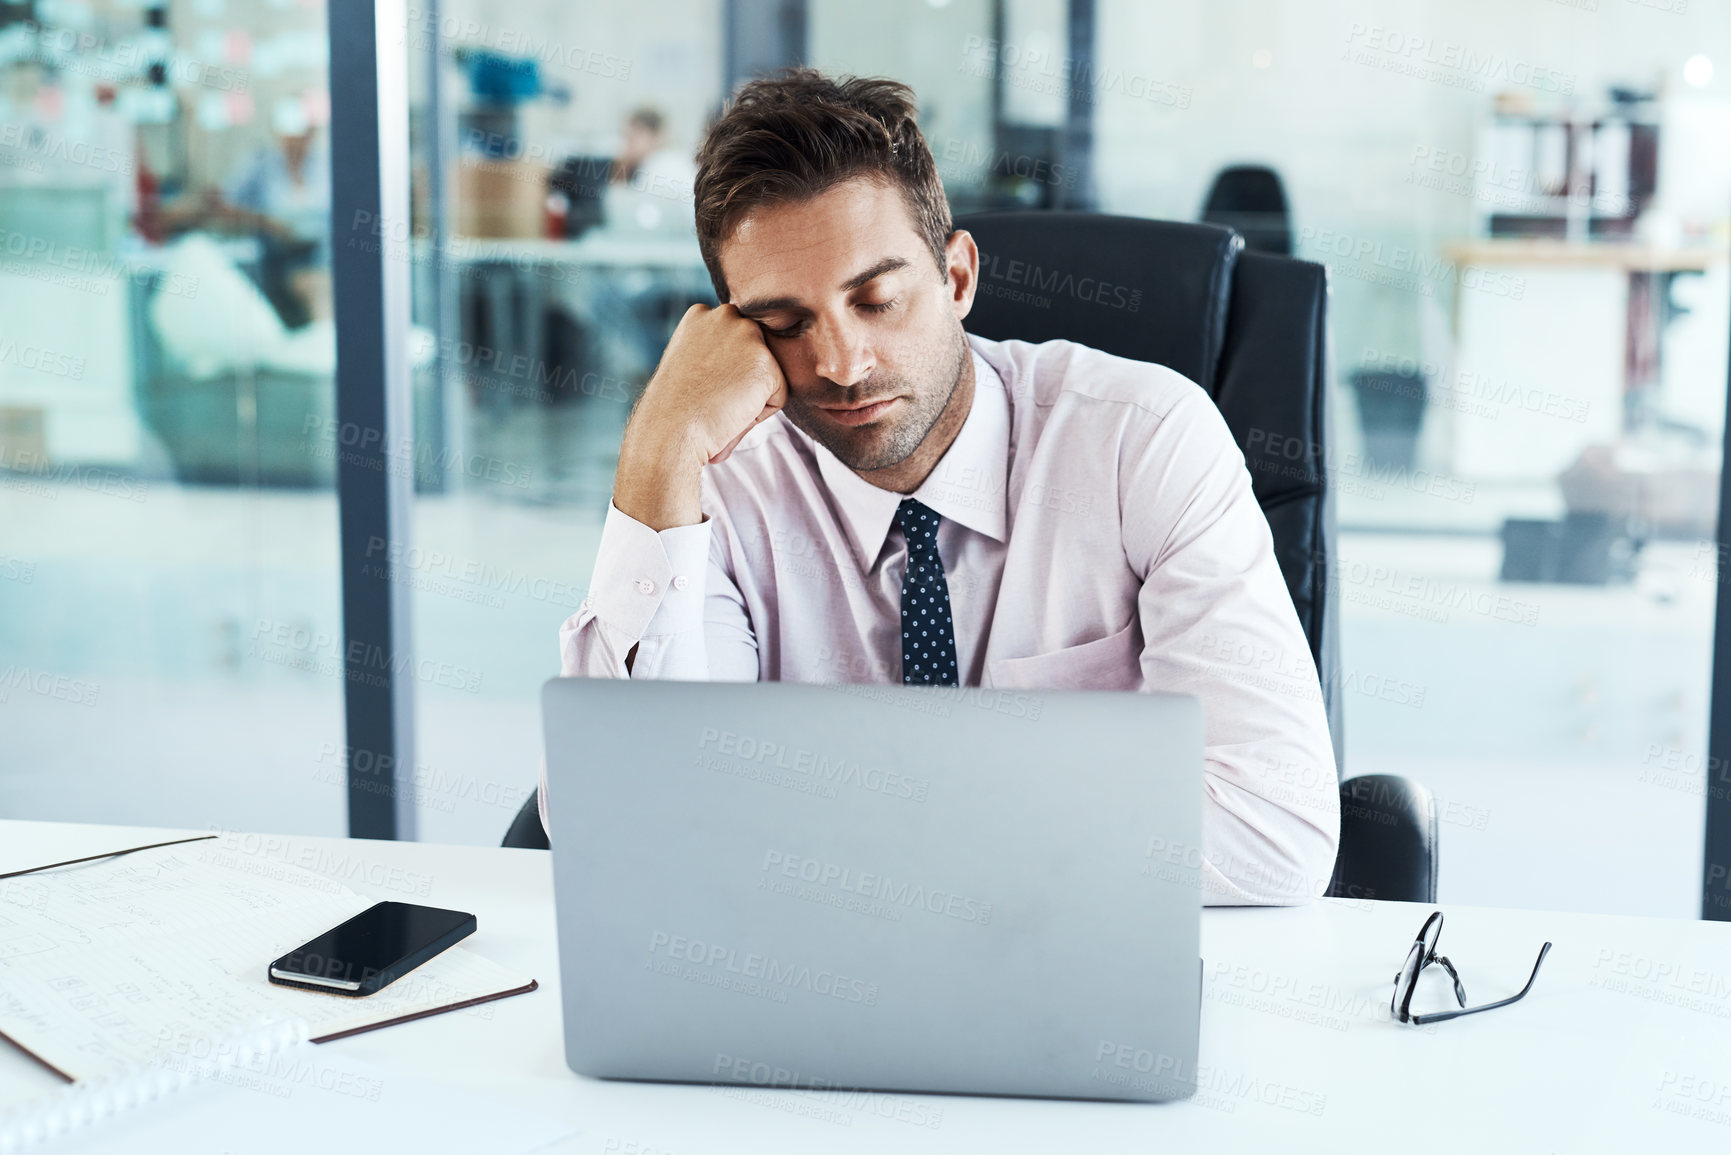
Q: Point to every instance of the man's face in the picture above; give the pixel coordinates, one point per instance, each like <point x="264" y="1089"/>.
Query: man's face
<point x="866" y="328"/>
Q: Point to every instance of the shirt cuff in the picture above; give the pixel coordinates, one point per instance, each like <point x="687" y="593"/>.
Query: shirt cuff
<point x="648" y="583"/>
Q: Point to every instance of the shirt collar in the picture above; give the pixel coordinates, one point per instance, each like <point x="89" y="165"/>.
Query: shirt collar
<point x="967" y="485"/>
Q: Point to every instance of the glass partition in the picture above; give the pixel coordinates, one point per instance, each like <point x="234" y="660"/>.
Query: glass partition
<point x="170" y="640"/>
<point x="1525" y="220"/>
<point x="554" y="156"/>
<point x="1523" y="209"/>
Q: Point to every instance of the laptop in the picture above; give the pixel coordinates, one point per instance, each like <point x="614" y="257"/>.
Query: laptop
<point x="928" y="889"/>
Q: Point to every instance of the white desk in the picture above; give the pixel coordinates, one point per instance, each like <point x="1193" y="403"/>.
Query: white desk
<point x="1298" y="1053"/>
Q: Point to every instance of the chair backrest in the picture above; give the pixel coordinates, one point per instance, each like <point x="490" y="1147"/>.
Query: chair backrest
<point x="1250" y="328"/>
<point x="1250" y="199"/>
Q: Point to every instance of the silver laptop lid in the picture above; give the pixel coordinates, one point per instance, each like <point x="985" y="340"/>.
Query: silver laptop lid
<point x="884" y="887"/>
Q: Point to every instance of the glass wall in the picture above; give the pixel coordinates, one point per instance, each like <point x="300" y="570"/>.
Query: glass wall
<point x="1523" y="208"/>
<point x="552" y="168"/>
<point x="170" y="645"/>
<point x="1524" y="212"/>
<point x="563" y="137"/>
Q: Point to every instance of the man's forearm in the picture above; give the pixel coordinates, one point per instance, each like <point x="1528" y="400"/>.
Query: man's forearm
<point x="659" y="480"/>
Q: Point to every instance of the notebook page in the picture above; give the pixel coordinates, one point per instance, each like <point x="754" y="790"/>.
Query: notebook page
<point x="103" y="964"/>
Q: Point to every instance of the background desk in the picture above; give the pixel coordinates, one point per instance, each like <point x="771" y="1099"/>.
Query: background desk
<point x="1624" y="1044"/>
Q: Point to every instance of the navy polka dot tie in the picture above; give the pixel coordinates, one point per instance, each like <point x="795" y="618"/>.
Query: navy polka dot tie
<point x="928" y="633"/>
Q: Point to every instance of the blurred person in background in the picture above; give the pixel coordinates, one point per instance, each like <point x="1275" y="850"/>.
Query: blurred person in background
<point x="651" y="184"/>
<point x="282" y="194"/>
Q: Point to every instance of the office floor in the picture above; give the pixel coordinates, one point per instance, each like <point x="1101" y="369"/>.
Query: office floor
<point x="191" y="643"/>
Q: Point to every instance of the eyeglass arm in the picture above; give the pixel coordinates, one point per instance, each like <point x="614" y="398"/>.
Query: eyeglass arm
<point x="1442" y="1015"/>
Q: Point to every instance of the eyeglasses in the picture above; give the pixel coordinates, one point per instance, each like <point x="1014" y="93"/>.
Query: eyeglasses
<point x="1422" y="954"/>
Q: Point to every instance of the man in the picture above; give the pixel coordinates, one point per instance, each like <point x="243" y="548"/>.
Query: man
<point x="826" y="479"/>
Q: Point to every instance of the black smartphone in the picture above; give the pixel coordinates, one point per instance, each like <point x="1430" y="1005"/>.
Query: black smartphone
<point x="373" y="949"/>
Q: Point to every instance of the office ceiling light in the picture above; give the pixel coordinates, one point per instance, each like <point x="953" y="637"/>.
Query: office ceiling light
<point x="1698" y="71"/>
<point x="1261" y="58"/>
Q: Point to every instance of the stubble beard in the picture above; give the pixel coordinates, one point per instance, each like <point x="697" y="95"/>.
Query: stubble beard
<point x="876" y="447"/>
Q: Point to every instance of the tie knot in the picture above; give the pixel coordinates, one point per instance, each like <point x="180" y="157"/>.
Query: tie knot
<point x="919" y="524"/>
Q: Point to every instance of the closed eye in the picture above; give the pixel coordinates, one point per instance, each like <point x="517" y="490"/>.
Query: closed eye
<point x="795" y="330"/>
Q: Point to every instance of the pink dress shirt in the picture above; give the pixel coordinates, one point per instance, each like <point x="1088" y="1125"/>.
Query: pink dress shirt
<point x="1098" y="532"/>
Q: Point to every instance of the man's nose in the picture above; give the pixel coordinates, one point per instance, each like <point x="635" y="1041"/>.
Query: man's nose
<point x="842" y="356"/>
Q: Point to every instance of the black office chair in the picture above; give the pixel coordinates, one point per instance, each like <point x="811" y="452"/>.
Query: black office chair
<point x="1250" y="200"/>
<point x="526" y="832"/>
<point x="1251" y="329"/>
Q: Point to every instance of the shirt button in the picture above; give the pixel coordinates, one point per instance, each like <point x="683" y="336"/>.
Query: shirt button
<point x="645" y="586"/>
<point x="680" y="583"/>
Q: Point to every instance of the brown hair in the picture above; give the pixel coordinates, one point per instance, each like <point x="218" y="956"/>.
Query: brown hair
<point x="792" y="136"/>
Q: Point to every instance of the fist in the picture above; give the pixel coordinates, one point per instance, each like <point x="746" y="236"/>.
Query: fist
<point x="716" y="381"/>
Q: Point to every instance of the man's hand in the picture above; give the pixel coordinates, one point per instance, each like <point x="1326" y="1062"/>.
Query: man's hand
<point x="717" y="379"/>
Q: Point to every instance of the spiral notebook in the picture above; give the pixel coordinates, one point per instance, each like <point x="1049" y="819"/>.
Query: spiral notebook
<point x="267" y="1092"/>
<point x="105" y="964"/>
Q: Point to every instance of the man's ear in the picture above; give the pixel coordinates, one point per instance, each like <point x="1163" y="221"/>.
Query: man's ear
<point x="962" y="271"/>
